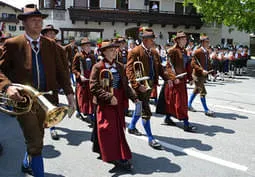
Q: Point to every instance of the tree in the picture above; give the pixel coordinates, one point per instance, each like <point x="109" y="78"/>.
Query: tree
<point x="238" y="13"/>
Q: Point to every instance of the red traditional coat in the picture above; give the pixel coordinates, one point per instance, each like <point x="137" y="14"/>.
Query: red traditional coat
<point x="82" y="65"/>
<point x="111" y="119"/>
<point x="176" y="98"/>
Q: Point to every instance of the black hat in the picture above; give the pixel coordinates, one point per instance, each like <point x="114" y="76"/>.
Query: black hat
<point x="29" y="11"/>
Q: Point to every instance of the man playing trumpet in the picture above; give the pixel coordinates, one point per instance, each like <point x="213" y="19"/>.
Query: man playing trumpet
<point x="31" y="59"/>
<point x="151" y="69"/>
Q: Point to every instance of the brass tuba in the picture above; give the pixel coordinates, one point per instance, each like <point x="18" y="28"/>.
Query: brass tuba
<point x="106" y="78"/>
<point x="139" y="74"/>
<point x="53" y="114"/>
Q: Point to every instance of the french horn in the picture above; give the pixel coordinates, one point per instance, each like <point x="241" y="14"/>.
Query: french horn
<point x="53" y="114"/>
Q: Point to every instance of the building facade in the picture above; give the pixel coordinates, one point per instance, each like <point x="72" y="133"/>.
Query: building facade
<point x="9" y="24"/>
<point x="106" y="18"/>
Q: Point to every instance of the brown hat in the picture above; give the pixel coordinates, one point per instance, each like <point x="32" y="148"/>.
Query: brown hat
<point x="29" y="11"/>
<point x="85" y="41"/>
<point x="107" y="44"/>
<point x="203" y="37"/>
<point x="49" y="28"/>
<point x="146" y="32"/>
<point x="179" y="34"/>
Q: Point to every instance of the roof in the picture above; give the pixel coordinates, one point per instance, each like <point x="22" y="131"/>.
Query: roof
<point x="5" y="4"/>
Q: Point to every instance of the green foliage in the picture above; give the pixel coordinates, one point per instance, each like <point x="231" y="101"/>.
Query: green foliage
<point x="238" y="13"/>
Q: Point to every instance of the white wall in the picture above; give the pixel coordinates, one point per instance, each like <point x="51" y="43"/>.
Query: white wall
<point x="237" y="36"/>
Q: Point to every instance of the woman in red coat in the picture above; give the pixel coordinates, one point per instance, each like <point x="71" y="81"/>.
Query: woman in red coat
<point x="81" y="67"/>
<point x="110" y="98"/>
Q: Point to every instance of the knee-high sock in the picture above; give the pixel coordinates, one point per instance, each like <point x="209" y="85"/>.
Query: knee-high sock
<point x="191" y="99"/>
<point x="203" y="101"/>
<point x="26" y="162"/>
<point x="134" y="120"/>
<point x="147" y="128"/>
<point x="37" y="166"/>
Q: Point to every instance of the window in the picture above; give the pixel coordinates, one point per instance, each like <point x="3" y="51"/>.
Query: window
<point x="154" y="6"/>
<point x="4" y="15"/>
<point x="21" y="28"/>
<point x="52" y="4"/>
<point x="230" y="41"/>
<point x="94" y="4"/>
<point x="12" y="16"/>
<point x="122" y="4"/>
<point x="179" y="8"/>
<point x="190" y="9"/>
<point x="12" y="28"/>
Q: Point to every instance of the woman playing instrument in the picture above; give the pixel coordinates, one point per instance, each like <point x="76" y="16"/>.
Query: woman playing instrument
<point x="109" y="86"/>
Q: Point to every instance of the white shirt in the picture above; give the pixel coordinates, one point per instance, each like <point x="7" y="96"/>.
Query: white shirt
<point x="31" y="40"/>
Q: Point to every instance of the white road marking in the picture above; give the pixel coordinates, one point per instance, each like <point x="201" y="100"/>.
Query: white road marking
<point x="199" y="155"/>
<point x="234" y="109"/>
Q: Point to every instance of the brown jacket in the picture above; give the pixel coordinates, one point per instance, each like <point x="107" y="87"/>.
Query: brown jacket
<point x="176" y="59"/>
<point x="138" y="54"/>
<point x="102" y="97"/>
<point x="16" y="65"/>
<point x="70" y="53"/>
<point x="81" y="56"/>
<point x="198" y="62"/>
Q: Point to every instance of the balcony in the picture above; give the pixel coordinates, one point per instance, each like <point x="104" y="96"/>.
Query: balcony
<point x="9" y="20"/>
<point x="134" y="16"/>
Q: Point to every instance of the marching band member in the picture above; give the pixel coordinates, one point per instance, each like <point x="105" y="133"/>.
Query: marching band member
<point x="121" y="57"/>
<point x="176" y="97"/>
<point x="201" y="66"/>
<point x="150" y="60"/>
<point x="71" y="49"/>
<point x="109" y="86"/>
<point x="50" y="32"/>
<point x="34" y="60"/>
<point x="82" y="65"/>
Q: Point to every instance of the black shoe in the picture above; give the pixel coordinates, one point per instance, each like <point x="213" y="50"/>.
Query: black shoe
<point x="134" y="132"/>
<point x="189" y="128"/>
<point x="192" y="109"/>
<point x="27" y="170"/>
<point x="54" y="135"/>
<point x="169" y="122"/>
<point x="125" y="165"/>
<point x="210" y="113"/>
<point x="155" y="145"/>
<point x="1" y="149"/>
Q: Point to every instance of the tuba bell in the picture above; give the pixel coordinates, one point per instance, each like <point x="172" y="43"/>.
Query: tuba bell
<point x="106" y="78"/>
<point x="139" y="74"/>
<point x="53" y="114"/>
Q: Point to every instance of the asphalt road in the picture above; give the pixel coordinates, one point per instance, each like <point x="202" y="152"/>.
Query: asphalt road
<point x="223" y="146"/>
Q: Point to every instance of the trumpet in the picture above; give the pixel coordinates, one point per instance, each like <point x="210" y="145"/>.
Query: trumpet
<point x="53" y="114"/>
<point x="106" y="78"/>
<point x="139" y="74"/>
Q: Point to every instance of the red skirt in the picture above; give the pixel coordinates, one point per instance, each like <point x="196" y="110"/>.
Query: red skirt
<point x="176" y="99"/>
<point x="84" y="96"/>
<point x="111" y="130"/>
<point x="154" y="92"/>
